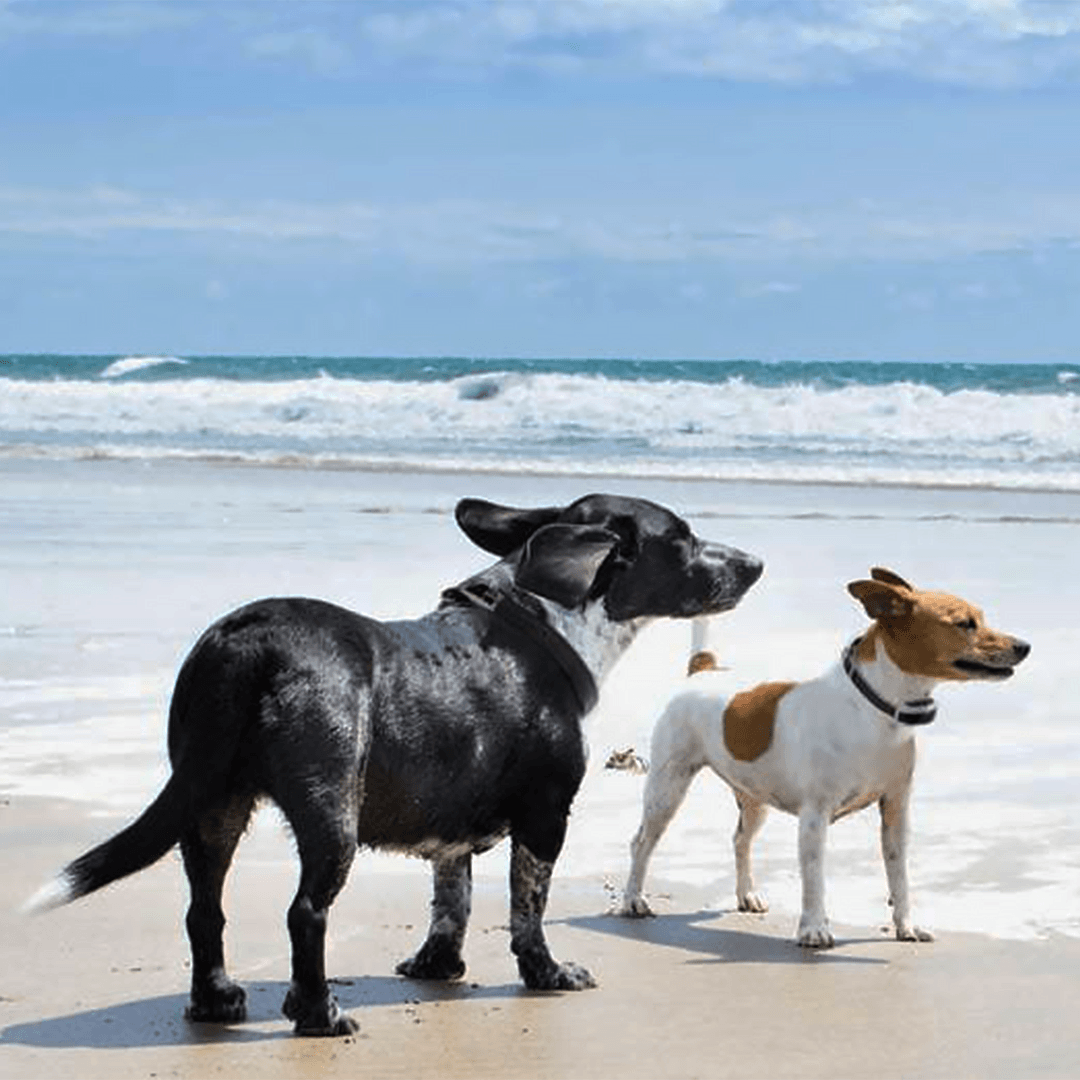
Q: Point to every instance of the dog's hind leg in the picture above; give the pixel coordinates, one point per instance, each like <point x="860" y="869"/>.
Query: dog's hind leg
<point x="326" y="841"/>
<point x="530" y="878"/>
<point x="752" y="816"/>
<point x="207" y="848"/>
<point x="440" y="955"/>
<point x="665" y="790"/>
<point x="676" y="759"/>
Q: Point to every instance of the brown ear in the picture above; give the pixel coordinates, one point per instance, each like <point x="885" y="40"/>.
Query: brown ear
<point x="879" y="573"/>
<point x="881" y="599"/>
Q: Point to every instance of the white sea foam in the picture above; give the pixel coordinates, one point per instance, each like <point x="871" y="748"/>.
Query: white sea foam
<point x="126" y="365"/>
<point x="900" y="432"/>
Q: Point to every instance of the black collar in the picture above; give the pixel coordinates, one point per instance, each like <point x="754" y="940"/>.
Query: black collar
<point x="512" y="612"/>
<point x="912" y="713"/>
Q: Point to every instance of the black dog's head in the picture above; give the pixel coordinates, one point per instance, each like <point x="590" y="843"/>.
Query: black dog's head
<point x="642" y="559"/>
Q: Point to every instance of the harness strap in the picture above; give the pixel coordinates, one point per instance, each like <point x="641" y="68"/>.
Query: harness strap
<point x="504" y="607"/>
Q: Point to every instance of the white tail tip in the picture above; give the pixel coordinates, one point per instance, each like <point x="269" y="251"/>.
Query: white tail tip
<point x="52" y="894"/>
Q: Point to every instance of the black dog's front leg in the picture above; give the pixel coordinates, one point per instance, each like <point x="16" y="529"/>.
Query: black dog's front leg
<point x="530" y="878"/>
<point x="440" y="956"/>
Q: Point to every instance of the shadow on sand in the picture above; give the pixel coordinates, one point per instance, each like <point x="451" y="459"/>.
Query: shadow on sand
<point x="159" y="1021"/>
<point x="717" y="944"/>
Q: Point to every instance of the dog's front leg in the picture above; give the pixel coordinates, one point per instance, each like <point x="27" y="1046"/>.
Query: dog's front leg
<point x="894" y="833"/>
<point x="814" y="932"/>
<point x="440" y="955"/>
<point x="530" y="878"/>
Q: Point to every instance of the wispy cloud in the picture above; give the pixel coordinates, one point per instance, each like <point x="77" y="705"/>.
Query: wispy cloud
<point x="464" y="231"/>
<point x="975" y="42"/>
<point x="90" y="18"/>
<point x="983" y="43"/>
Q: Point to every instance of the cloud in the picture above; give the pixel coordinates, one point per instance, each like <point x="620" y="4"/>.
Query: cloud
<point x="316" y="48"/>
<point x="972" y="42"/>
<point x="980" y="43"/>
<point x="460" y="232"/>
<point x="89" y="18"/>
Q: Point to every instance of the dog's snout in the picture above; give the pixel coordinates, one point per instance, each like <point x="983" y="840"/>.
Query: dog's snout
<point x="1020" y="649"/>
<point x="736" y="571"/>
<point x="749" y="570"/>
<point x="745" y="567"/>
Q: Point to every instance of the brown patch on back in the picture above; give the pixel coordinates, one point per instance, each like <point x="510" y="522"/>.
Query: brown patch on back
<point x="749" y="719"/>
<point x="702" y="660"/>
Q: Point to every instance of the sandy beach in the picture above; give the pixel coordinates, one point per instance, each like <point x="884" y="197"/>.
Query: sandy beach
<point x="109" y="571"/>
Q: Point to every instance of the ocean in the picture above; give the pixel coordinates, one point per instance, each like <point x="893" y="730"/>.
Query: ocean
<point x="1007" y="426"/>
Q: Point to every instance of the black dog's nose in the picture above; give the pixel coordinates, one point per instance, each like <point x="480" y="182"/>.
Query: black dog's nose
<point x="751" y="570"/>
<point x="1021" y="648"/>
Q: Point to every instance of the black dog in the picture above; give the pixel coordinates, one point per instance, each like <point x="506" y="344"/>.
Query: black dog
<point x="437" y="736"/>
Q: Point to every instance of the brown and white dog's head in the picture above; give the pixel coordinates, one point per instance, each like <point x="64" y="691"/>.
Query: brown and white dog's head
<point x="934" y="634"/>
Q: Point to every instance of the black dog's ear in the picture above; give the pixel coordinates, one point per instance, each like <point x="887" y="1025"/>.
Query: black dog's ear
<point x="560" y="562"/>
<point x="500" y="529"/>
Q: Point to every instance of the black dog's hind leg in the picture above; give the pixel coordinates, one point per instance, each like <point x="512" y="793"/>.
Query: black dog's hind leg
<point x="440" y="955"/>
<point x="207" y="848"/>
<point x="327" y="844"/>
<point x="530" y="878"/>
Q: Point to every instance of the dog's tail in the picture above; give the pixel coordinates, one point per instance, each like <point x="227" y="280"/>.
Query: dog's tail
<point x="702" y="657"/>
<point x="198" y="781"/>
<point x="143" y="842"/>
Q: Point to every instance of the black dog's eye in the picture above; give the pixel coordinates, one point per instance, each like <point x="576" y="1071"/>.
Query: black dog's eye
<point x="966" y="624"/>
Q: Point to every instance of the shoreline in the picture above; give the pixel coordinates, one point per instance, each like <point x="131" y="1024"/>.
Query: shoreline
<point x="284" y="461"/>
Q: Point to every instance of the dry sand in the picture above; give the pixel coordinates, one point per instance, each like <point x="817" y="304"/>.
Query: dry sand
<point x="110" y="570"/>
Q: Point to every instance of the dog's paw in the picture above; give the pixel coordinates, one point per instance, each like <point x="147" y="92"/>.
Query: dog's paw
<point x="569" y="976"/>
<point x="318" y="1018"/>
<point x="433" y="963"/>
<point x="816" y="936"/>
<point x="541" y="972"/>
<point x="753" y="901"/>
<point x="221" y="1001"/>
<point x="907" y="932"/>
<point x="636" y="907"/>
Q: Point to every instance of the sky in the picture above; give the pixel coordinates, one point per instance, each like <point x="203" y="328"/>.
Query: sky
<point x="764" y="179"/>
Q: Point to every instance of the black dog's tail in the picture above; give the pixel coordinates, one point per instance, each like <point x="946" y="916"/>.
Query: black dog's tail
<point x="207" y="689"/>
<point x="143" y="842"/>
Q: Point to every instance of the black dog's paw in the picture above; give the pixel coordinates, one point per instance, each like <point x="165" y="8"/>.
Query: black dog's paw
<point x="221" y="1001"/>
<point x="323" y="1017"/>
<point x="554" y="976"/>
<point x="438" y="962"/>
<point x="570" y="976"/>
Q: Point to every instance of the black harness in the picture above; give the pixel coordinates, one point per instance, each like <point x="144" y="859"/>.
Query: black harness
<point x="913" y="713"/>
<point x="528" y="624"/>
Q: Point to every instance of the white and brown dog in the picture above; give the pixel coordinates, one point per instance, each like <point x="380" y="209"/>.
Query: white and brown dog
<point x="824" y="748"/>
